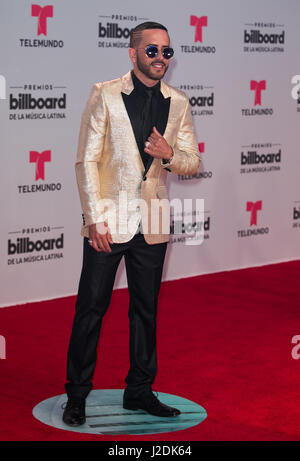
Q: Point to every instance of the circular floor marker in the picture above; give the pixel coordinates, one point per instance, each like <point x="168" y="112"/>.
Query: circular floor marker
<point x="105" y="414"/>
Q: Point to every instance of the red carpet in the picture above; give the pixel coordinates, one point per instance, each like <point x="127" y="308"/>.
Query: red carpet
<point x="224" y="341"/>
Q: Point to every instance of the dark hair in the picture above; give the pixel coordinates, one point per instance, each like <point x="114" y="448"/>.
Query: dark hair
<point x="135" y="34"/>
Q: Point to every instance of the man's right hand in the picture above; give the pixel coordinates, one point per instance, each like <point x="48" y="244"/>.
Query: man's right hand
<point x="100" y="237"/>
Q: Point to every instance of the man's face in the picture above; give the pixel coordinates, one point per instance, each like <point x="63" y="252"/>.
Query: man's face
<point x="153" y="68"/>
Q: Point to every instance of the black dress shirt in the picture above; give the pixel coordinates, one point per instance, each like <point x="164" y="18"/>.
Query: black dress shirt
<point x="146" y="112"/>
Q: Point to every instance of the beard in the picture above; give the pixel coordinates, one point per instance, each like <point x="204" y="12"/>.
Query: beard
<point x="148" y="70"/>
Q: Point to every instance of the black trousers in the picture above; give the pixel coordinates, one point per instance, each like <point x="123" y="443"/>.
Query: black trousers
<point x="144" y="265"/>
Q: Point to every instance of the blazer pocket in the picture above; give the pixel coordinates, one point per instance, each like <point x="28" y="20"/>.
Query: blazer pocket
<point x="162" y="192"/>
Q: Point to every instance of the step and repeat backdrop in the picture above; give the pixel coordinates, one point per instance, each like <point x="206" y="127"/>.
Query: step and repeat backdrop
<point x="239" y="64"/>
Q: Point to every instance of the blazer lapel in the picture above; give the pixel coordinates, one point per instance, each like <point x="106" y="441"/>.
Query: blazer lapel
<point x="163" y="114"/>
<point x="130" y="105"/>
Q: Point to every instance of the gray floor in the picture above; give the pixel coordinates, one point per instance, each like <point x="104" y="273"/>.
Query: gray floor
<point x="106" y="415"/>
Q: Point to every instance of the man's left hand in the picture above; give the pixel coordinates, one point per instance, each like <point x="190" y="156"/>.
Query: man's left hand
<point x="157" y="146"/>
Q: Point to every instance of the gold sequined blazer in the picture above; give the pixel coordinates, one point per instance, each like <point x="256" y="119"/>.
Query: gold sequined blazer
<point x="109" y="169"/>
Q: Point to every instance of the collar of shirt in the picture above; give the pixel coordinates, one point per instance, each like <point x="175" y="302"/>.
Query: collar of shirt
<point x="141" y="88"/>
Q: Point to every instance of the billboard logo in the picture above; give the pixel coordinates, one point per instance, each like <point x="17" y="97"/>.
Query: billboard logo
<point x="201" y="101"/>
<point x="112" y="30"/>
<point x="296" y="213"/>
<point x="201" y="104"/>
<point x="25" y="101"/>
<point x="33" y="249"/>
<point x="198" y="23"/>
<point x="2" y="87"/>
<point x="255" y="36"/>
<point x="39" y="159"/>
<point x="257" y="87"/>
<point x="25" y="245"/>
<point x="42" y="13"/>
<point x="253" y="207"/>
<point x="257" y="160"/>
<point x="264" y="37"/>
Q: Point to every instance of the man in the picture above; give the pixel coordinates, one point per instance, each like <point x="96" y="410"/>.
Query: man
<point x="134" y="129"/>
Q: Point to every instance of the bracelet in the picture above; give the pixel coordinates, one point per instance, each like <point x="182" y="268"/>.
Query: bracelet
<point x="170" y="159"/>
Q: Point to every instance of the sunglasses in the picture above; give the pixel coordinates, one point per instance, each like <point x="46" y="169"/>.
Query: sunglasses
<point x="152" y="52"/>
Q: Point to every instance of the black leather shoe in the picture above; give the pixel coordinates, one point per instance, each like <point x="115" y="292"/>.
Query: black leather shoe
<point x="74" y="413"/>
<point x="150" y="403"/>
